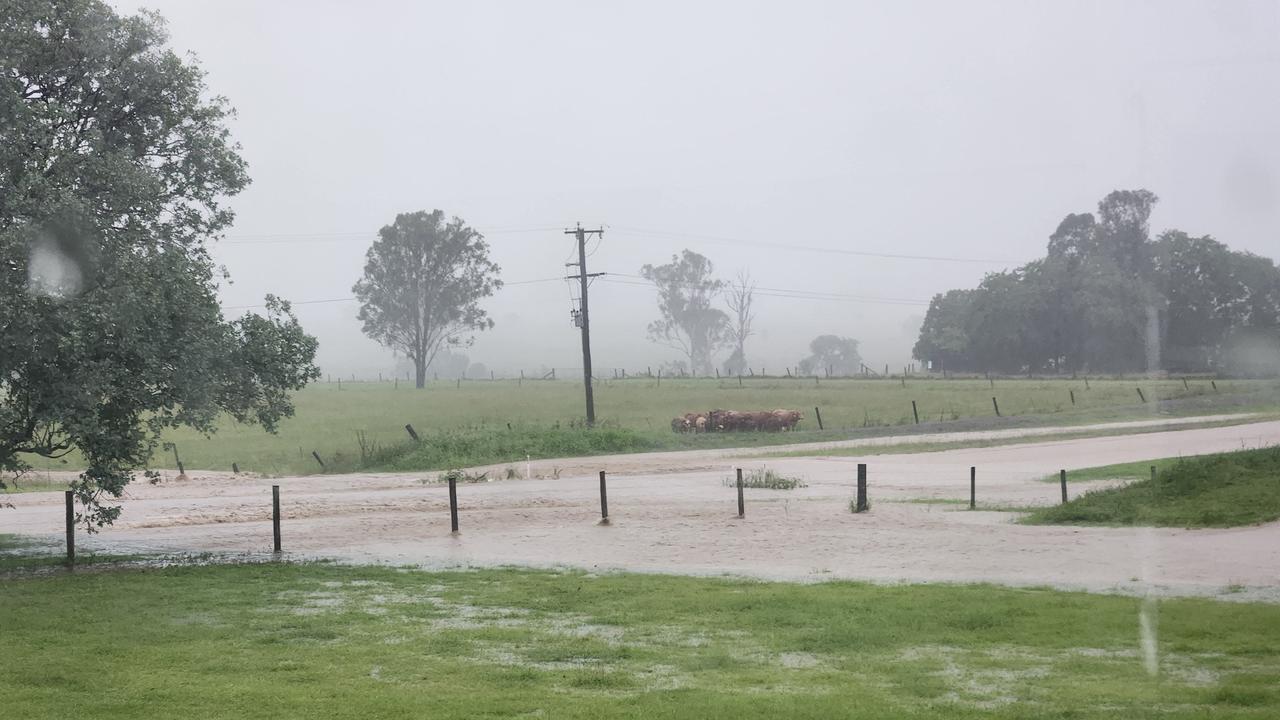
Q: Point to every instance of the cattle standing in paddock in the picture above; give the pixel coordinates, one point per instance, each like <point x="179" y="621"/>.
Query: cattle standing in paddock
<point x="718" y="420"/>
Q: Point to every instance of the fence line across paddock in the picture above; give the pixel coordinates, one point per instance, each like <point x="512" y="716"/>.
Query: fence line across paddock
<point x="792" y="374"/>
<point x="966" y="478"/>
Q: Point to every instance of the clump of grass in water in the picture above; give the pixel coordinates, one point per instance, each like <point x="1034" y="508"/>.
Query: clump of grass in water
<point x="458" y="476"/>
<point x="766" y="479"/>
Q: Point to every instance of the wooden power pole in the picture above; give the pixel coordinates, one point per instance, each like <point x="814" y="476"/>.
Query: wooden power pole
<point x="583" y="317"/>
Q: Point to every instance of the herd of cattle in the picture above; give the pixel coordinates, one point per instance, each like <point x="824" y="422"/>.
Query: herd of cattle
<point x="734" y="421"/>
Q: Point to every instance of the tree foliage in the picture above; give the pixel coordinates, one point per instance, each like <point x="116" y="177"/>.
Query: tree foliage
<point x="833" y="353"/>
<point x="1107" y="298"/>
<point x="113" y="170"/>
<point x="424" y="278"/>
<point x="690" y="321"/>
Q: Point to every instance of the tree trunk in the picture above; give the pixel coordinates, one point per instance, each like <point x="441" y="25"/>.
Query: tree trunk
<point x="420" y="372"/>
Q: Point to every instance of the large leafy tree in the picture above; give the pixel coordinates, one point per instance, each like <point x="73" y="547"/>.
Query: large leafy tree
<point x="113" y="169"/>
<point x="424" y="278"/>
<point x="944" y="335"/>
<point x="832" y="352"/>
<point x="1107" y="298"/>
<point x="690" y="322"/>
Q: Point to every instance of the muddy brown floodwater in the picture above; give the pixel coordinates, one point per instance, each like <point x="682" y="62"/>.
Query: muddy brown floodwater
<point x="672" y="512"/>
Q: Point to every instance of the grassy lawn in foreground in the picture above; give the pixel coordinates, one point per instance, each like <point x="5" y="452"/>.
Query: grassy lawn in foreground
<point x="1224" y="490"/>
<point x="320" y="641"/>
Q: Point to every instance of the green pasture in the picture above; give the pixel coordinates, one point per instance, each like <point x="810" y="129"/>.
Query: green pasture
<point x="479" y="421"/>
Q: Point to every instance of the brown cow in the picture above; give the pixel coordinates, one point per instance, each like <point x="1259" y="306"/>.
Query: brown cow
<point x="786" y="419"/>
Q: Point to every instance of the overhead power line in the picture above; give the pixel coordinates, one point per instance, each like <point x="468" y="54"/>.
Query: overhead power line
<point x="350" y="299"/>
<point x="786" y="292"/>
<point x="288" y="238"/>
<point x="807" y="248"/>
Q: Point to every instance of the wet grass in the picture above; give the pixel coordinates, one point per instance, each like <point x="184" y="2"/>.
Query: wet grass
<point x="283" y="640"/>
<point x="1223" y="490"/>
<point x="1065" y="433"/>
<point x="361" y="425"/>
<point x="765" y="479"/>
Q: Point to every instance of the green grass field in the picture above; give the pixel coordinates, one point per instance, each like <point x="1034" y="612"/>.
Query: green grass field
<point x="469" y="425"/>
<point x="319" y="641"/>
<point x="1224" y="490"/>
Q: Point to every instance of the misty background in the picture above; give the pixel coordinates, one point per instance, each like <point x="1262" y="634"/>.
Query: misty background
<point x="749" y="132"/>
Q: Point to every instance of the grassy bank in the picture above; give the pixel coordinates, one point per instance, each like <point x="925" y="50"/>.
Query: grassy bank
<point x="1226" y="490"/>
<point x="278" y="640"/>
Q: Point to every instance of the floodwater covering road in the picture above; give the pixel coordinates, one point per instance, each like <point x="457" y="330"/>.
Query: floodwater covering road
<point x="673" y="512"/>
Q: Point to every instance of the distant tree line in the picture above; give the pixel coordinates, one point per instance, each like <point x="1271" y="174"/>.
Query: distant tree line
<point x="1107" y="298"/>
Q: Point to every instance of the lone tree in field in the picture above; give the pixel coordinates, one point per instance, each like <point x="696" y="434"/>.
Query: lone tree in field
<point x="689" y="322"/>
<point x="834" y="353"/>
<point x="423" y="282"/>
<point x="113" y="168"/>
<point x="740" y="296"/>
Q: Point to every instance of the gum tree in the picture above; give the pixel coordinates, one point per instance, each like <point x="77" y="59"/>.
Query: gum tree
<point x="424" y="278"/>
<point x="113" y="170"/>
<point x="689" y="322"/>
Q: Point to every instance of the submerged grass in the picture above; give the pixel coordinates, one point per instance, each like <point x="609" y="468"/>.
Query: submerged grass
<point x="766" y="479"/>
<point x="283" y="640"/>
<point x="1224" y="490"/>
<point x="23" y="554"/>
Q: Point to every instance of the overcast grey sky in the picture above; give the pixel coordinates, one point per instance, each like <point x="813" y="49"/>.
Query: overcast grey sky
<point x="964" y="130"/>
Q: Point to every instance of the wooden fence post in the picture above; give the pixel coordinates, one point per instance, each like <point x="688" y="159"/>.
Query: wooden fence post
<point x="1073" y="396"/>
<point x="316" y="455"/>
<point x="995" y="405"/>
<point x="412" y="433"/>
<point x="915" y="411"/>
<point x="1062" y="478"/>
<point x="1141" y="397"/>
<point x="453" y="502"/>
<point x="742" y="505"/>
<point x="862" y="488"/>
<point x="818" y="414"/>
<point x="70" y="499"/>
<point x="604" y="502"/>
<point x="275" y="518"/>
<point x="973" y="488"/>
